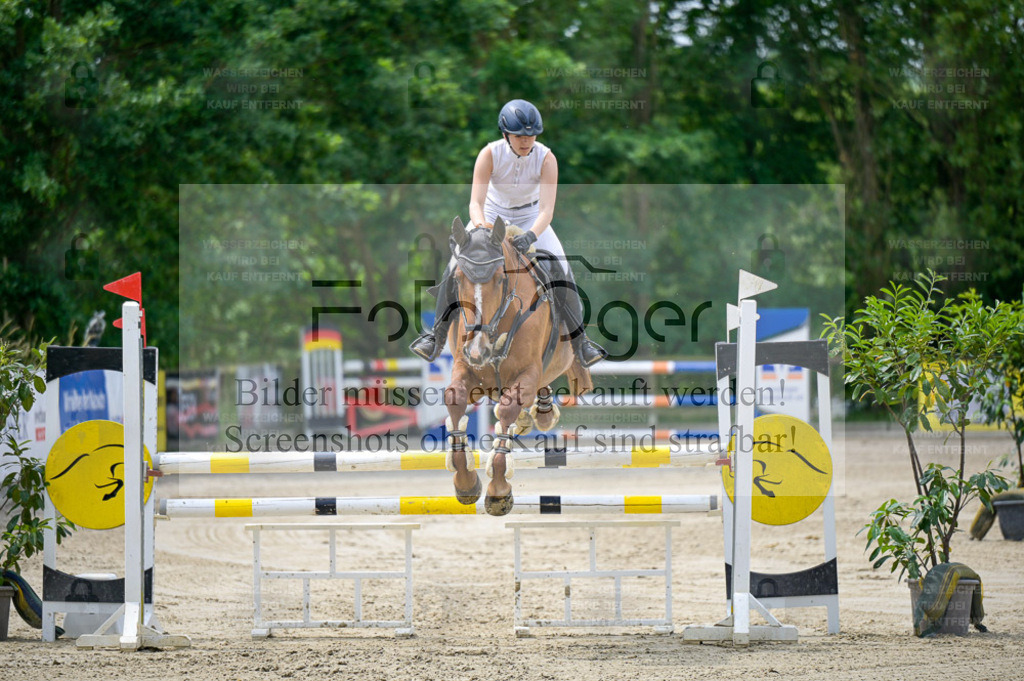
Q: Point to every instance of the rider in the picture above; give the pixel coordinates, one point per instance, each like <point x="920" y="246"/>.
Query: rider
<point x="516" y="178"/>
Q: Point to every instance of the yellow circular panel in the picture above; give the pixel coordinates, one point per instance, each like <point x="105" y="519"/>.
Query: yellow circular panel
<point x="85" y="474"/>
<point x="792" y="470"/>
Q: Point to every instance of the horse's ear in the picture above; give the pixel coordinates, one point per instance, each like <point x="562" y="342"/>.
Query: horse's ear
<point x="498" y="231"/>
<point x="459" y="231"/>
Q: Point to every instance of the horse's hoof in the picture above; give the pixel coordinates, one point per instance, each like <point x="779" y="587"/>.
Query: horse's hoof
<point x="499" y="505"/>
<point x="470" y="496"/>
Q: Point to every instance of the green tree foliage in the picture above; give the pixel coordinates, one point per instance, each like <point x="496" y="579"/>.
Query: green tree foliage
<point x="406" y="92"/>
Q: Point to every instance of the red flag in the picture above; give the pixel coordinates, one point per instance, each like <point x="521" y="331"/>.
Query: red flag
<point x="129" y="287"/>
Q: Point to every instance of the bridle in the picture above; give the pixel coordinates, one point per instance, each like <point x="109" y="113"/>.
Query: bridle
<point x="508" y="295"/>
<point x="470" y="267"/>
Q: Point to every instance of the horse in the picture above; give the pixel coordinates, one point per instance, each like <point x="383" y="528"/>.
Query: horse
<point x="503" y="348"/>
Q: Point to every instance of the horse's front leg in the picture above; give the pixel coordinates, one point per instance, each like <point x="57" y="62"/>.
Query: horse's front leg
<point x="520" y="395"/>
<point x="459" y="459"/>
<point x="545" y="412"/>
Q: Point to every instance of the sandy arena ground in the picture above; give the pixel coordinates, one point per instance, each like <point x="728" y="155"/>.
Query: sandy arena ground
<point x="463" y="590"/>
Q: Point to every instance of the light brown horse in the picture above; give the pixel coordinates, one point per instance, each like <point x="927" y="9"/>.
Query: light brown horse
<point x="498" y="343"/>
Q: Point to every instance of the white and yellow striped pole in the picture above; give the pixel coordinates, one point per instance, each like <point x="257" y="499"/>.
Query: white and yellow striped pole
<point x="700" y="398"/>
<point x="201" y="463"/>
<point x="525" y="504"/>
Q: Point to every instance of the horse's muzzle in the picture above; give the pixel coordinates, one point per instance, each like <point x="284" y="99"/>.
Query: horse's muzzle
<point x="478" y="351"/>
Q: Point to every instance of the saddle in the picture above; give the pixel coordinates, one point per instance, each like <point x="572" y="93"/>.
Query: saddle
<point x="546" y="272"/>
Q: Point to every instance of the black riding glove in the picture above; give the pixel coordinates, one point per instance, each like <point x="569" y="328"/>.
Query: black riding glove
<point x="523" y="241"/>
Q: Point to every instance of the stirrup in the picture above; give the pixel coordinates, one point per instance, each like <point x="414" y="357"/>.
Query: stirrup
<point x="422" y="352"/>
<point x="601" y="353"/>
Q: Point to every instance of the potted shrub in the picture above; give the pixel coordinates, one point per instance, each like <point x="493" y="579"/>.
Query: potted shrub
<point x="23" y="482"/>
<point x="914" y="537"/>
<point x="917" y="353"/>
<point x="1003" y="405"/>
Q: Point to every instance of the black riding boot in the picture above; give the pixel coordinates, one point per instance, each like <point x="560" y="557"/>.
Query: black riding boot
<point x="429" y="344"/>
<point x="570" y="307"/>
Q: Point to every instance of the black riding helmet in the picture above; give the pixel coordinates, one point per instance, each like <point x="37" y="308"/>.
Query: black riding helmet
<point x="519" y="117"/>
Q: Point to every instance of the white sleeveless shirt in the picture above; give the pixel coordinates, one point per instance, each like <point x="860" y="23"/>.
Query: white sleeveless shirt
<point x="515" y="180"/>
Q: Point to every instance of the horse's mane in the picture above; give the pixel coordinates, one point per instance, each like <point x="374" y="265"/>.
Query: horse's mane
<point x="512" y="231"/>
